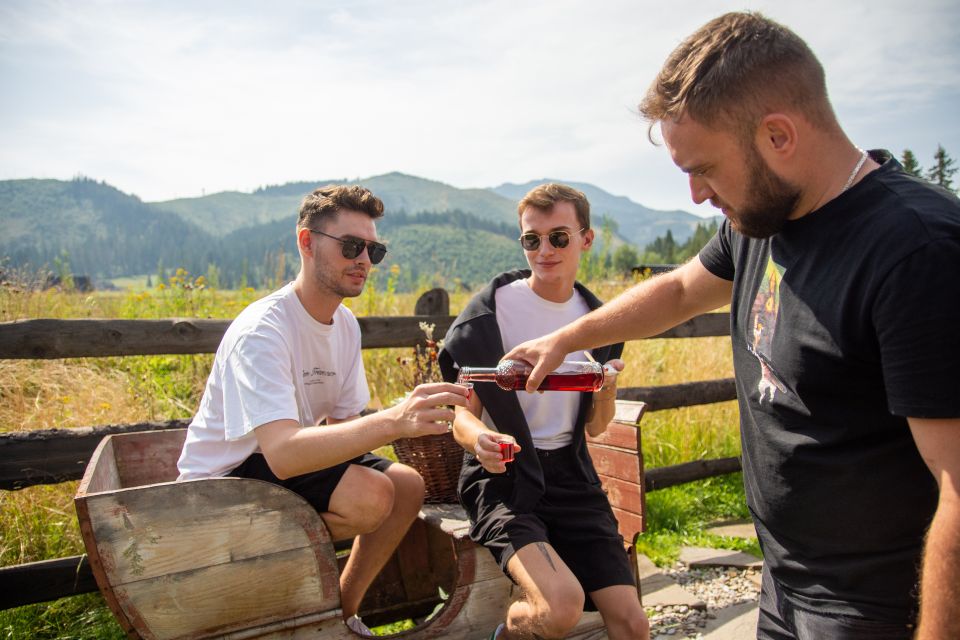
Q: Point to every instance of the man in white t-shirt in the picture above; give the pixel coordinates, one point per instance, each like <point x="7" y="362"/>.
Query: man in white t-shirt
<point x="544" y="517"/>
<point x="290" y="362"/>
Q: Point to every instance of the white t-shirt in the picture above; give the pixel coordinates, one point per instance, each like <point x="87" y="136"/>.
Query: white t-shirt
<point x="275" y="362"/>
<point x="523" y="315"/>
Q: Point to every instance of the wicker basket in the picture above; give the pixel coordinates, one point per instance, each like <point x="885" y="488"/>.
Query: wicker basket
<point x="438" y="459"/>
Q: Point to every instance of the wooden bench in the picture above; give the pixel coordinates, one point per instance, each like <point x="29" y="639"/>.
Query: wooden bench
<point x="236" y="558"/>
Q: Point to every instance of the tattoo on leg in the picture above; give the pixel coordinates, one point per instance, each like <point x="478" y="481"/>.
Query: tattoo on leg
<point x="546" y="554"/>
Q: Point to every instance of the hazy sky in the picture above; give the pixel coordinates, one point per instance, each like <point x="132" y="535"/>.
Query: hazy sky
<point x="174" y="99"/>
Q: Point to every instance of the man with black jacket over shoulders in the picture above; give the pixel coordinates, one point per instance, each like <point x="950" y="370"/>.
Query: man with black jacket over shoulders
<point x="544" y="516"/>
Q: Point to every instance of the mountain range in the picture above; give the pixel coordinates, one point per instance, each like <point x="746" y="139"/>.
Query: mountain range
<point x="436" y="232"/>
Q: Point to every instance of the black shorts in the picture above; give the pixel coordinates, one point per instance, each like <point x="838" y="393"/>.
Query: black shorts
<point x="573" y="516"/>
<point x="785" y="617"/>
<point x="315" y="487"/>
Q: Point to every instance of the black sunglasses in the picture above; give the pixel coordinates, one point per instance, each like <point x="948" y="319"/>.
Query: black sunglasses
<point x="350" y="248"/>
<point x="530" y="241"/>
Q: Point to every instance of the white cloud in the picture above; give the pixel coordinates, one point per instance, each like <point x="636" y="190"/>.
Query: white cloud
<point x="168" y="99"/>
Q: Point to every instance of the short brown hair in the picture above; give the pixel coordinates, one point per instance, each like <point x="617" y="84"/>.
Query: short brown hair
<point x="736" y="69"/>
<point x="324" y="203"/>
<point x="547" y="195"/>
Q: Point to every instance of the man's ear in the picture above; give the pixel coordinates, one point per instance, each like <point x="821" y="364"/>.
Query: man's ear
<point x="304" y="240"/>
<point x="588" y="236"/>
<point x="776" y="137"/>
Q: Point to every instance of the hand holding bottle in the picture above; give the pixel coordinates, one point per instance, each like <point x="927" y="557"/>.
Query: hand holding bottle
<point x="543" y="354"/>
<point x="610" y="370"/>
<point x="495" y="450"/>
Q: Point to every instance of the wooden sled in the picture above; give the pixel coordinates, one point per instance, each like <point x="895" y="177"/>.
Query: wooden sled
<point x="235" y="558"/>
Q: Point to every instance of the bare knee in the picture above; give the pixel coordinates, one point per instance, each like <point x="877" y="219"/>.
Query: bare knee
<point x="408" y="488"/>
<point x="368" y="506"/>
<point x="631" y="624"/>
<point x="560" y="611"/>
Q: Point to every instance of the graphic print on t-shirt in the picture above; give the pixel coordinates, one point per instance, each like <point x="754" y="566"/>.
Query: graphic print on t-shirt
<point x="763" y="322"/>
<point x="316" y="376"/>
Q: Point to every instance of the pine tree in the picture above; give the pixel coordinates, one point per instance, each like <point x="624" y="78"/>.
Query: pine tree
<point x="625" y="258"/>
<point x="942" y="171"/>
<point x="910" y="164"/>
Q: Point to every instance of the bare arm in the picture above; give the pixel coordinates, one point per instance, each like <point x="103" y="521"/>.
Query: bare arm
<point x="939" y="444"/>
<point x="604" y="405"/>
<point x="291" y="449"/>
<point x="474" y="436"/>
<point x="644" y="310"/>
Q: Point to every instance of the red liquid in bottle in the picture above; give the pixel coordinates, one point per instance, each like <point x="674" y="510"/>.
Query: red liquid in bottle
<point x="562" y="382"/>
<point x="512" y="376"/>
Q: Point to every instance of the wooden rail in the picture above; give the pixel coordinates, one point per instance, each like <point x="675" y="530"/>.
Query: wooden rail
<point x="49" y="338"/>
<point x="56" y="455"/>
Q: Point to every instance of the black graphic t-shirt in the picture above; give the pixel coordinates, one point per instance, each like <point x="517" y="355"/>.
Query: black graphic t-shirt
<point x="843" y="325"/>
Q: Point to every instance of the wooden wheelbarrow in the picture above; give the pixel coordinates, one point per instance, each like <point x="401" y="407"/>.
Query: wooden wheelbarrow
<point x="237" y="558"/>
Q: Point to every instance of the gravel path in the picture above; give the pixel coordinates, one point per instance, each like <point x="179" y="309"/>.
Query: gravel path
<point x="718" y="587"/>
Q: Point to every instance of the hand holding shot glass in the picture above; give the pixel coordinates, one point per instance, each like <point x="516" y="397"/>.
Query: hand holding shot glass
<point x="495" y="450"/>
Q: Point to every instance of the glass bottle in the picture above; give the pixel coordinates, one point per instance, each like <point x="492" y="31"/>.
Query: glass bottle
<point x="511" y="375"/>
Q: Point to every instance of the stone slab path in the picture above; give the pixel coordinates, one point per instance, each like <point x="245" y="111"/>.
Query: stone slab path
<point x="710" y="594"/>
<point x="705" y="557"/>
<point x="734" y="529"/>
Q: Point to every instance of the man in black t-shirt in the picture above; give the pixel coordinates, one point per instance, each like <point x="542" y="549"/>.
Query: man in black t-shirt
<point x="841" y="272"/>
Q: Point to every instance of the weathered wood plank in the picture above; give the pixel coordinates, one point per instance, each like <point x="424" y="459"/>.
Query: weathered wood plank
<point x="686" y="394"/>
<point x="629" y="412"/>
<point x="628" y="523"/>
<point x="663" y="477"/>
<point x="46" y="338"/>
<point x="435" y="302"/>
<point x="622" y="494"/>
<point x="616" y="463"/>
<point x="48" y="456"/>
<point x="102" y="475"/>
<point x="148" y="457"/>
<point x="327" y="625"/>
<point x="45" y="580"/>
<point x="237" y="595"/>
<point x="170" y="529"/>
<point x="624" y="436"/>
<point x="78" y="338"/>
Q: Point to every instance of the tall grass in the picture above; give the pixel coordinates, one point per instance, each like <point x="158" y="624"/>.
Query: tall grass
<point x="40" y="522"/>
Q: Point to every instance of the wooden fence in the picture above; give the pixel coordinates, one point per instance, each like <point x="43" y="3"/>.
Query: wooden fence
<point x="51" y="456"/>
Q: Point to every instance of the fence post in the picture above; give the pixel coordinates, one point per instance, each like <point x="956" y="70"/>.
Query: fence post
<point x="435" y="302"/>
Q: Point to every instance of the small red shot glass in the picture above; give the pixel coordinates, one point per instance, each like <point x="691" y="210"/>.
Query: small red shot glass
<point x="506" y="451"/>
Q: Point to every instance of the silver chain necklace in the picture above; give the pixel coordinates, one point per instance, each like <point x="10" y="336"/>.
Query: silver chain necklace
<point x="856" y="169"/>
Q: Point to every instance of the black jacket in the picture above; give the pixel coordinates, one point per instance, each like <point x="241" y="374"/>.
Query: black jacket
<point x="474" y="340"/>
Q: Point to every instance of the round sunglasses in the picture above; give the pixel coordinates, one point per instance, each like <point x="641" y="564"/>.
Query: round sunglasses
<point x="560" y="238"/>
<point x="350" y="248"/>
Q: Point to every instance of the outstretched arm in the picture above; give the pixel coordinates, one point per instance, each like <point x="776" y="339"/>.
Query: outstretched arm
<point x="291" y="449"/>
<point x="939" y="444"/>
<point x="644" y="310"/>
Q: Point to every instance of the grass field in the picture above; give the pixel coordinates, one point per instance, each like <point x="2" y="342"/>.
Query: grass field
<point x="40" y="523"/>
